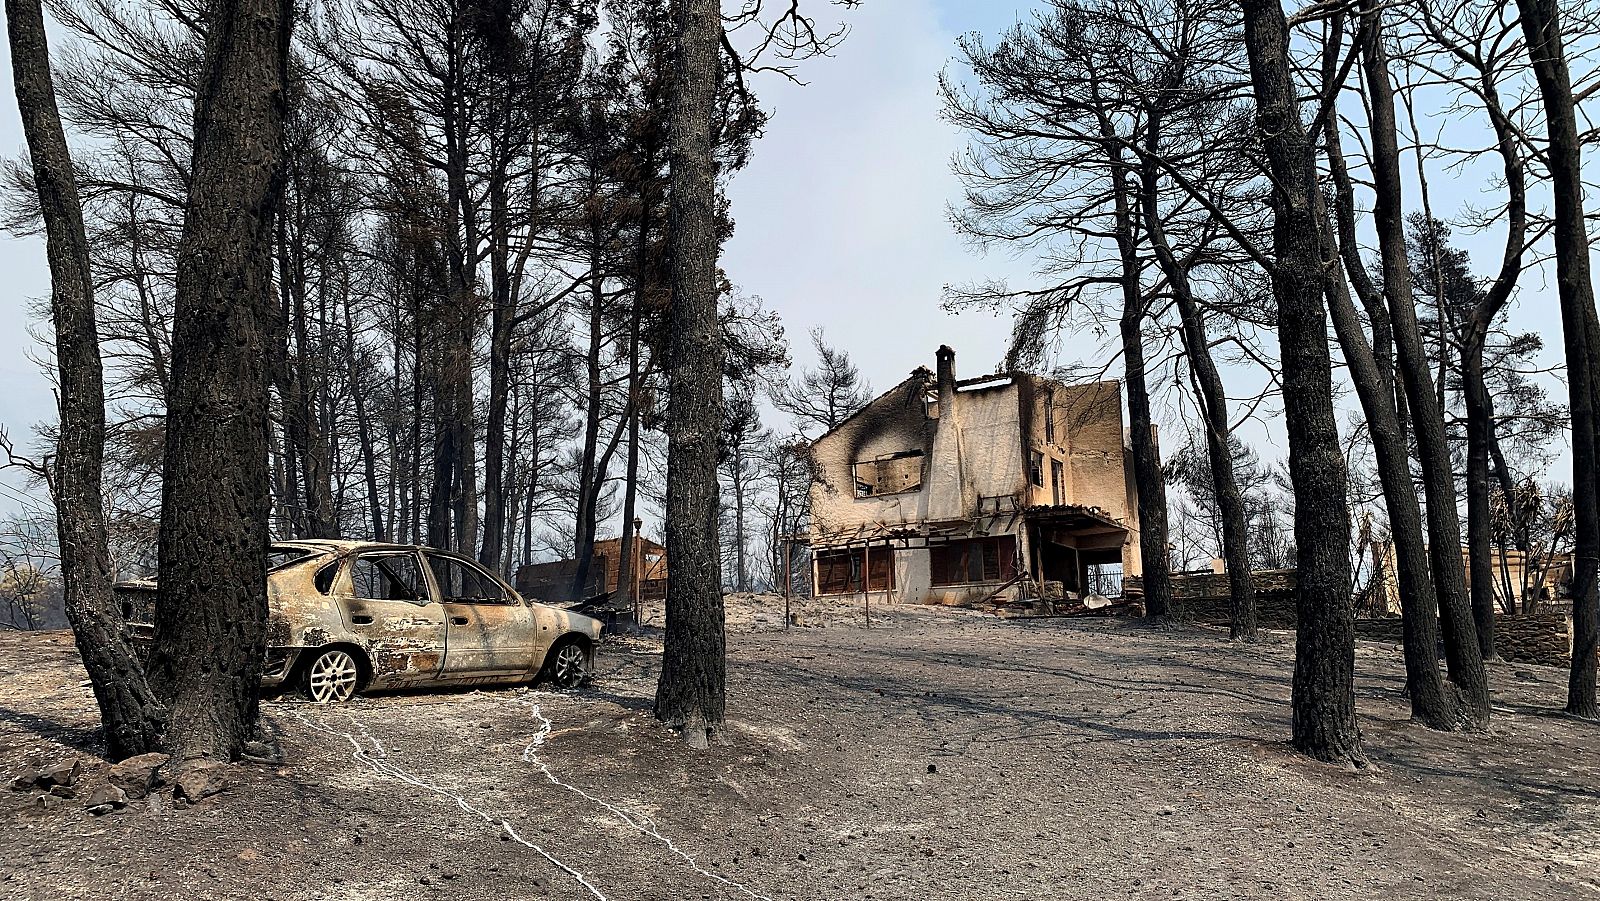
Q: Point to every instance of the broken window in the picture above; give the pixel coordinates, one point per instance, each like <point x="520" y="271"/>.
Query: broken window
<point x="388" y="577"/>
<point x="889" y="474"/>
<point x="1058" y="481"/>
<point x="1050" y="417"/>
<point x="989" y="559"/>
<point x="462" y="583"/>
<point x="839" y="572"/>
<point x="279" y="557"/>
<point x="1036" y="469"/>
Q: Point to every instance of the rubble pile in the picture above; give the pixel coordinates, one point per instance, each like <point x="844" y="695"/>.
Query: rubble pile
<point x="134" y="779"/>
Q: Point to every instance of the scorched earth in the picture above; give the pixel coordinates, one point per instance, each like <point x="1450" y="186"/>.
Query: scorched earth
<point x="935" y="755"/>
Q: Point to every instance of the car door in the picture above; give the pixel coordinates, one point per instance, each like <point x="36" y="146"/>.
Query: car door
<point x="387" y="602"/>
<point x="488" y="632"/>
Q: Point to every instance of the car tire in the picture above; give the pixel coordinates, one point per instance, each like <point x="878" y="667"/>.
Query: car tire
<point x="333" y="676"/>
<point x="567" y="665"/>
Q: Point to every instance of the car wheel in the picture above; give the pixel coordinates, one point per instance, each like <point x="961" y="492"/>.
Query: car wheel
<point x="568" y="665"/>
<point x="332" y="677"/>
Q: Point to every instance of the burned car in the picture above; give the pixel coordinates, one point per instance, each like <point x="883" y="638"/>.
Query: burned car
<point x="348" y="616"/>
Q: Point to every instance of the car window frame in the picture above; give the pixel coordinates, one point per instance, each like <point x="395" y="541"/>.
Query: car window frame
<point x="509" y="596"/>
<point x="426" y="582"/>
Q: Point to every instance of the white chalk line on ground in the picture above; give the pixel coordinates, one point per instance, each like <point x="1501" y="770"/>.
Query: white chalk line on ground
<point x="377" y="760"/>
<point x="648" y="827"/>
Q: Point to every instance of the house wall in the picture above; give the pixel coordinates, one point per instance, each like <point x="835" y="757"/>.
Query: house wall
<point x="976" y="463"/>
<point x="979" y="457"/>
<point x="1088" y="443"/>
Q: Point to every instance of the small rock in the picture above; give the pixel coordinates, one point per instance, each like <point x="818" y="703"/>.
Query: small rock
<point x="63" y="791"/>
<point x="105" y="799"/>
<point x="137" y="775"/>
<point x="1166" y="811"/>
<point x="202" y="779"/>
<point x="933" y="768"/>
<point x="47" y="802"/>
<point x="25" y="779"/>
<point x="485" y="726"/>
<point x="64" y="773"/>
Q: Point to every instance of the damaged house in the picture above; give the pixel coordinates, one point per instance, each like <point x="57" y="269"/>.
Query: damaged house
<point x="552" y="582"/>
<point x="1002" y="488"/>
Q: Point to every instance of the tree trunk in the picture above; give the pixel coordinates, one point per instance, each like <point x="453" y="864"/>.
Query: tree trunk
<point x="369" y="455"/>
<point x="584" y="525"/>
<point x="1433" y="447"/>
<point x="692" y="691"/>
<point x="211" y="614"/>
<point x="627" y="574"/>
<point x="1146" y="456"/>
<point x="1325" y="725"/>
<point x="1373" y="376"/>
<point x="130" y="715"/>
<point x="1480" y="425"/>
<point x="502" y="320"/>
<point x="1213" y="402"/>
<point x="741" y="572"/>
<point x="1546" y="47"/>
<point x="1432" y="704"/>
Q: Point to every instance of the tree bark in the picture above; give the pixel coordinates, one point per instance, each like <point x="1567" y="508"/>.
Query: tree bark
<point x="130" y="714"/>
<point x="1433" y="446"/>
<point x="211" y="614"/>
<point x="1213" y="402"/>
<point x="691" y="693"/>
<point x="1325" y="726"/>
<point x="589" y="473"/>
<point x="369" y="454"/>
<point x="1541" y="24"/>
<point x="1153" y="558"/>
<point x="502" y="321"/>
<point x="1432" y="704"/>
<point x="1372" y="373"/>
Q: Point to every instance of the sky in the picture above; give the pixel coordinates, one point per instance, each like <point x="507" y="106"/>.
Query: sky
<point x="841" y="219"/>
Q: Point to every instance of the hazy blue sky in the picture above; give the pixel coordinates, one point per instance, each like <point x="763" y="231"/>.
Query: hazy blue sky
<point x="841" y="215"/>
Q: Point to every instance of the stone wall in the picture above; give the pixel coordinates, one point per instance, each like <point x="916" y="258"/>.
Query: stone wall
<point x="1203" y="597"/>
<point x="1388" y="628"/>
<point x="1542" y="638"/>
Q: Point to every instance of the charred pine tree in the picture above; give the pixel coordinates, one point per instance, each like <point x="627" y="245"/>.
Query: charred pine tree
<point x="1433" y="449"/>
<point x="1213" y="411"/>
<point x="691" y="693"/>
<point x="211" y="612"/>
<point x="1141" y="429"/>
<point x="1432" y="703"/>
<point x="1482" y="55"/>
<point x="1183" y="102"/>
<point x="1325" y="726"/>
<point x="130" y="715"/>
<point x="1541" y="25"/>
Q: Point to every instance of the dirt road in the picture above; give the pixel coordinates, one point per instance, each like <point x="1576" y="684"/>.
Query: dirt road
<point x="934" y="756"/>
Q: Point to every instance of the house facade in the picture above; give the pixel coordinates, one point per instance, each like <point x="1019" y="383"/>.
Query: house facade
<point x="1002" y="488"/>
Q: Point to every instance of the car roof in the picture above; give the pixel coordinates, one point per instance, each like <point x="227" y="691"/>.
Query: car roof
<point x="344" y="545"/>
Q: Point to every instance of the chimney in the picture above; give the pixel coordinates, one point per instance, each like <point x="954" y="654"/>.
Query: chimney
<point x="947" y="370"/>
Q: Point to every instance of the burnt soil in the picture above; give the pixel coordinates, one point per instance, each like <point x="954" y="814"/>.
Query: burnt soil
<point x="937" y="755"/>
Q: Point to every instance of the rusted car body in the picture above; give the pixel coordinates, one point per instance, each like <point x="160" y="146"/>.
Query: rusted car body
<point x="348" y="616"/>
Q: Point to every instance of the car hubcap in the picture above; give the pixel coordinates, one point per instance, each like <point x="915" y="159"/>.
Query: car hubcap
<point x="333" y="677"/>
<point x="571" y="665"/>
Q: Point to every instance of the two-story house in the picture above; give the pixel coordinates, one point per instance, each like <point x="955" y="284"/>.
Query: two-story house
<point x="947" y="492"/>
